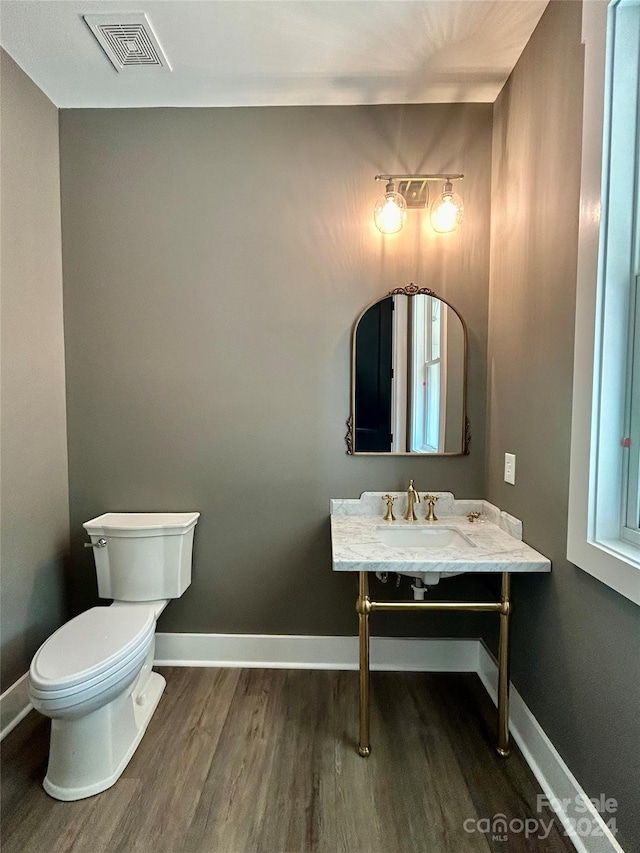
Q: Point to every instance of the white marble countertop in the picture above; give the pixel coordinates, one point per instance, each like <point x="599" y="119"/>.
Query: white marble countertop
<point x="495" y="539"/>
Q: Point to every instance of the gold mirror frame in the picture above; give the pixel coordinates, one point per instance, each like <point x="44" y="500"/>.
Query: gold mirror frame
<point x="408" y="290"/>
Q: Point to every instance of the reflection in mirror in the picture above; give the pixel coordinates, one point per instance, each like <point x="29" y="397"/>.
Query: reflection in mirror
<point x="409" y="377"/>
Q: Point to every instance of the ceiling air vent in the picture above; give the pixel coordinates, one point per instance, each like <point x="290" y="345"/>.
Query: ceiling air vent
<point x="128" y="41"/>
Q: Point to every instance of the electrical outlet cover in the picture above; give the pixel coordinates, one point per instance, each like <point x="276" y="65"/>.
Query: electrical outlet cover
<point x="510" y="468"/>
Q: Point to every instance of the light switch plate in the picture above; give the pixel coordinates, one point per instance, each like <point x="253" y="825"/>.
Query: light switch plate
<point x="510" y="468"/>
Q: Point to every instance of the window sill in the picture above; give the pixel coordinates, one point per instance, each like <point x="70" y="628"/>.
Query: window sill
<point x="626" y="552"/>
<point x="614" y="562"/>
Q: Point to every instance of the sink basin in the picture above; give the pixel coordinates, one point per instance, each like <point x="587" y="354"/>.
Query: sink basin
<point x="434" y="538"/>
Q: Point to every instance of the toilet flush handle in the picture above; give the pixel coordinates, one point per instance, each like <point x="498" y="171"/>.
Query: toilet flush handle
<point x="101" y="543"/>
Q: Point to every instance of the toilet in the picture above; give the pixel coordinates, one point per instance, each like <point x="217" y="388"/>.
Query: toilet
<point x="93" y="677"/>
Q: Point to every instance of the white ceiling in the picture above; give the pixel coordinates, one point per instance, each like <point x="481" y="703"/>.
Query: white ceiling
<point x="276" y="52"/>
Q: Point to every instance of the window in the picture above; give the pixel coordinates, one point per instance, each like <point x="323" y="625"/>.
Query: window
<point x="604" y="502"/>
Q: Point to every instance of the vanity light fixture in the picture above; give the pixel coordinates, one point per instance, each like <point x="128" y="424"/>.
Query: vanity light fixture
<point x="411" y="192"/>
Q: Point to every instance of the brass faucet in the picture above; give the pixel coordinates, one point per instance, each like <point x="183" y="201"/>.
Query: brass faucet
<point x="431" y="501"/>
<point x="412" y="499"/>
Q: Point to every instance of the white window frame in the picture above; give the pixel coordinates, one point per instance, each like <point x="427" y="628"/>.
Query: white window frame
<point x="594" y="541"/>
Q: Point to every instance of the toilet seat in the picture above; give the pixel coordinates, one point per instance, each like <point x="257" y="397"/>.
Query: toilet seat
<point x="96" y="649"/>
<point x="100" y="682"/>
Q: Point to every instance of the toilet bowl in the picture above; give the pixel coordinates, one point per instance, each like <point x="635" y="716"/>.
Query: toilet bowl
<point x="94" y="676"/>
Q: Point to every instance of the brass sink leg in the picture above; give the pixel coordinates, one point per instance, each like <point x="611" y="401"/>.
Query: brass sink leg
<point x="363" y="608"/>
<point x="503" y="667"/>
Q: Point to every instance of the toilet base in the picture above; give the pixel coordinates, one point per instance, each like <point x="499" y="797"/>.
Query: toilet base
<point x="88" y="754"/>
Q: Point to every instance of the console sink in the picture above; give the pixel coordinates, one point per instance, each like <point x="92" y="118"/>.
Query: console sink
<point x="467" y="536"/>
<point x="423" y="537"/>
<point x="362" y="542"/>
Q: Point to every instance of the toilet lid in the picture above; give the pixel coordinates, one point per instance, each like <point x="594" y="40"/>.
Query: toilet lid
<point x="91" y="644"/>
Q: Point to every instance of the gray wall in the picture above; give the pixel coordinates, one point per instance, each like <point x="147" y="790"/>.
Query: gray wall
<point x="575" y="641"/>
<point x="34" y="495"/>
<point x="214" y="263"/>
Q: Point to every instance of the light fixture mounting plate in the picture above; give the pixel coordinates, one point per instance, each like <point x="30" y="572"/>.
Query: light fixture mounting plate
<point x="415" y="192"/>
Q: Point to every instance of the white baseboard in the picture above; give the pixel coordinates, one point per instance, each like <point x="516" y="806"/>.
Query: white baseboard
<point x="14" y="706"/>
<point x="285" y="651"/>
<point x="570" y="802"/>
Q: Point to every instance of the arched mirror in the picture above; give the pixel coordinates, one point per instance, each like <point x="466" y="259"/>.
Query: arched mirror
<point x="409" y="377"/>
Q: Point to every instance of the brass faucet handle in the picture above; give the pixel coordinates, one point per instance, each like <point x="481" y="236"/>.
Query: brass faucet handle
<point x="390" y="499"/>
<point x="472" y="516"/>
<point x="431" y="502"/>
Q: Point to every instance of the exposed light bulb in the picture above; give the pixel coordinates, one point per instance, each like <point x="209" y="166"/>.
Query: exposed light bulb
<point x="447" y="210"/>
<point x="390" y="211"/>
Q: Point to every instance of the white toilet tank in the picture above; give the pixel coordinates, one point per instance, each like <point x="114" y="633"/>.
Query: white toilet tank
<point x="146" y="555"/>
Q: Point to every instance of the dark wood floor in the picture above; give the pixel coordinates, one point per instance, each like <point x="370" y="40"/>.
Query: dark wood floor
<point x="263" y="761"/>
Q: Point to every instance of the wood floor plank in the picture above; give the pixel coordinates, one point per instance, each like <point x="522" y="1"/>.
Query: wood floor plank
<point x="43" y="825"/>
<point x="348" y="801"/>
<point x="497" y="786"/>
<point x="24" y="762"/>
<point x="431" y="811"/>
<point x="177" y="750"/>
<point x="264" y="761"/>
<point x="288" y="820"/>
